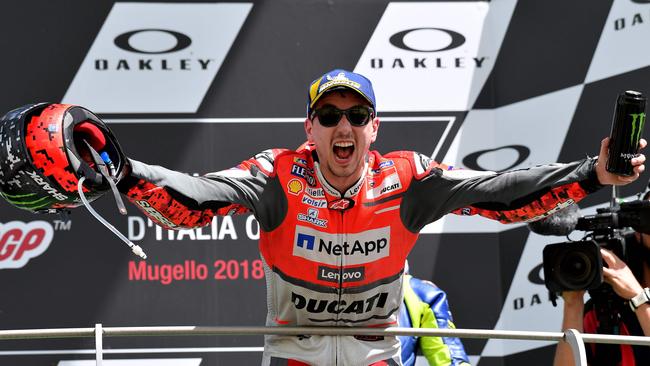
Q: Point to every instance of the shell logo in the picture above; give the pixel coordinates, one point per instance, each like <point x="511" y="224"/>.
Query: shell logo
<point x="295" y="186"/>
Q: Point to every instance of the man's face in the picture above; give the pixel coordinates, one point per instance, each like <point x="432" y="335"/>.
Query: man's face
<point x="342" y="148"/>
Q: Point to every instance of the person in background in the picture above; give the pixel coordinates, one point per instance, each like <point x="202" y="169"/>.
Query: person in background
<point x="425" y="306"/>
<point x="630" y="281"/>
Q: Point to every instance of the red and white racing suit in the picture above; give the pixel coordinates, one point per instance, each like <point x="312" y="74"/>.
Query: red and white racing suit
<point x="336" y="258"/>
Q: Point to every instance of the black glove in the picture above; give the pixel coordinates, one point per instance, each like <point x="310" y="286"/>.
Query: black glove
<point x="46" y="148"/>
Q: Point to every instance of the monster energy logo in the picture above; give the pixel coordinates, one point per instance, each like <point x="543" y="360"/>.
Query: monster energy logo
<point x="28" y="201"/>
<point x="636" y="131"/>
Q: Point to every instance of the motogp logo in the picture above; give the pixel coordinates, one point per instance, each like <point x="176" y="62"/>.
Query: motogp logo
<point x="20" y="242"/>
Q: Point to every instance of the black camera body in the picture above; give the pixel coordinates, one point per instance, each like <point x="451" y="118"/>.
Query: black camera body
<point x="578" y="265"/>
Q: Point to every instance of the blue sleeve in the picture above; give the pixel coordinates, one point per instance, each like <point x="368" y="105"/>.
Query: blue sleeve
<point x="439" y="311"/>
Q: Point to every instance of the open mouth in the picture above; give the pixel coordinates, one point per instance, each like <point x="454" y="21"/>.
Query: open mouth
<point x="343" y="150"/>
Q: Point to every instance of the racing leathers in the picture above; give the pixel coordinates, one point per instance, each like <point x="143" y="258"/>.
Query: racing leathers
<point x="426" y="306"/>
<point x="336" y="258"/>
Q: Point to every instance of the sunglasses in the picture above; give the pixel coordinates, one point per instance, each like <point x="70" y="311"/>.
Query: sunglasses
<point x="329" y="115"/>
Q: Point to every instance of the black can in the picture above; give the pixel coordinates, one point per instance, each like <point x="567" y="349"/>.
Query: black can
<point x="627" y="127"/>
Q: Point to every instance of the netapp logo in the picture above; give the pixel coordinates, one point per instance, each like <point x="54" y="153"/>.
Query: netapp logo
<point x="316" y="306"/>
<point x="146" y="52"/>
<point x="358" y="248"/>
<point x="344" y="275"/>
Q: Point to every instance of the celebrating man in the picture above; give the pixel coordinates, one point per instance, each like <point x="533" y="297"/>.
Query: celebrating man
<point x="337" y="220"/>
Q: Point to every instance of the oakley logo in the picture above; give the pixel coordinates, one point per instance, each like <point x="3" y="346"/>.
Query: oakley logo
<point x="137" y="64"/>
<point x="158" y="36"/>
<point x="456" y="39"/>
<point x="535" y="274"/>
<point x="471" y="160"/>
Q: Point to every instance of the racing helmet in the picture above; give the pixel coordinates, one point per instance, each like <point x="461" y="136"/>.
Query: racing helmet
<point x="44" y="151"/>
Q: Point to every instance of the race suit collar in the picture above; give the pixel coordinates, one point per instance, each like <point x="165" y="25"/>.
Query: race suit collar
<point x="350" y="192"/>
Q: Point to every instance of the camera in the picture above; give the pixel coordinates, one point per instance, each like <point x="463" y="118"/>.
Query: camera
<point x="578" y="265"/>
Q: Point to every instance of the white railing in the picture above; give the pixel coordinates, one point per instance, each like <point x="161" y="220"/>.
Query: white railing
<point x="574" y="338"/>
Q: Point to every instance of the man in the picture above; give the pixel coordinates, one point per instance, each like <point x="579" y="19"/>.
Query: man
<point x="425" y="306"/>
<point x="631" y="283"/>
<point x="338" y="220"/>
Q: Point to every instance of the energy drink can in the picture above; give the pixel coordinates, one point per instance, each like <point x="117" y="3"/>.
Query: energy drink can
<point x="627" y="127"/>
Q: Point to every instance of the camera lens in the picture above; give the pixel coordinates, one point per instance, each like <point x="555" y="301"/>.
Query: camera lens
<point x="576" y="265"/>
<point x="573" y="266"/>
<point x="575" y="269"/>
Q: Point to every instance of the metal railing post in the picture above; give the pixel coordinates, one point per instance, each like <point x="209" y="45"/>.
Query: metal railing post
<point x="574" y="339"/>
<point x="99" y="333"/>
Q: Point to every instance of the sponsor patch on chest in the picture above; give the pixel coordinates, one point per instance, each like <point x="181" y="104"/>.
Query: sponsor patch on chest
<point x="380" y="187"/>
<point x="341" y="249"/>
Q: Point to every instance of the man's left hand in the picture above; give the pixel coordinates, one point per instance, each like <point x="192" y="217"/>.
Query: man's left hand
<point x="619" y="275"/>
<point x="607" y="178"/>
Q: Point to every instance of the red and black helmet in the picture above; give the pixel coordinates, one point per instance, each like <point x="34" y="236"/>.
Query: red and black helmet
<point x="43" y="153"/>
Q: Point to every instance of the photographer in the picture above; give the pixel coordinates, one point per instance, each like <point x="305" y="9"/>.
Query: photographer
<point x="629" y="281"/>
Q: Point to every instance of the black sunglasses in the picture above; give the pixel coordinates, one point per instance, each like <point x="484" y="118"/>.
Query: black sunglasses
<point x="329" y="115"/>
